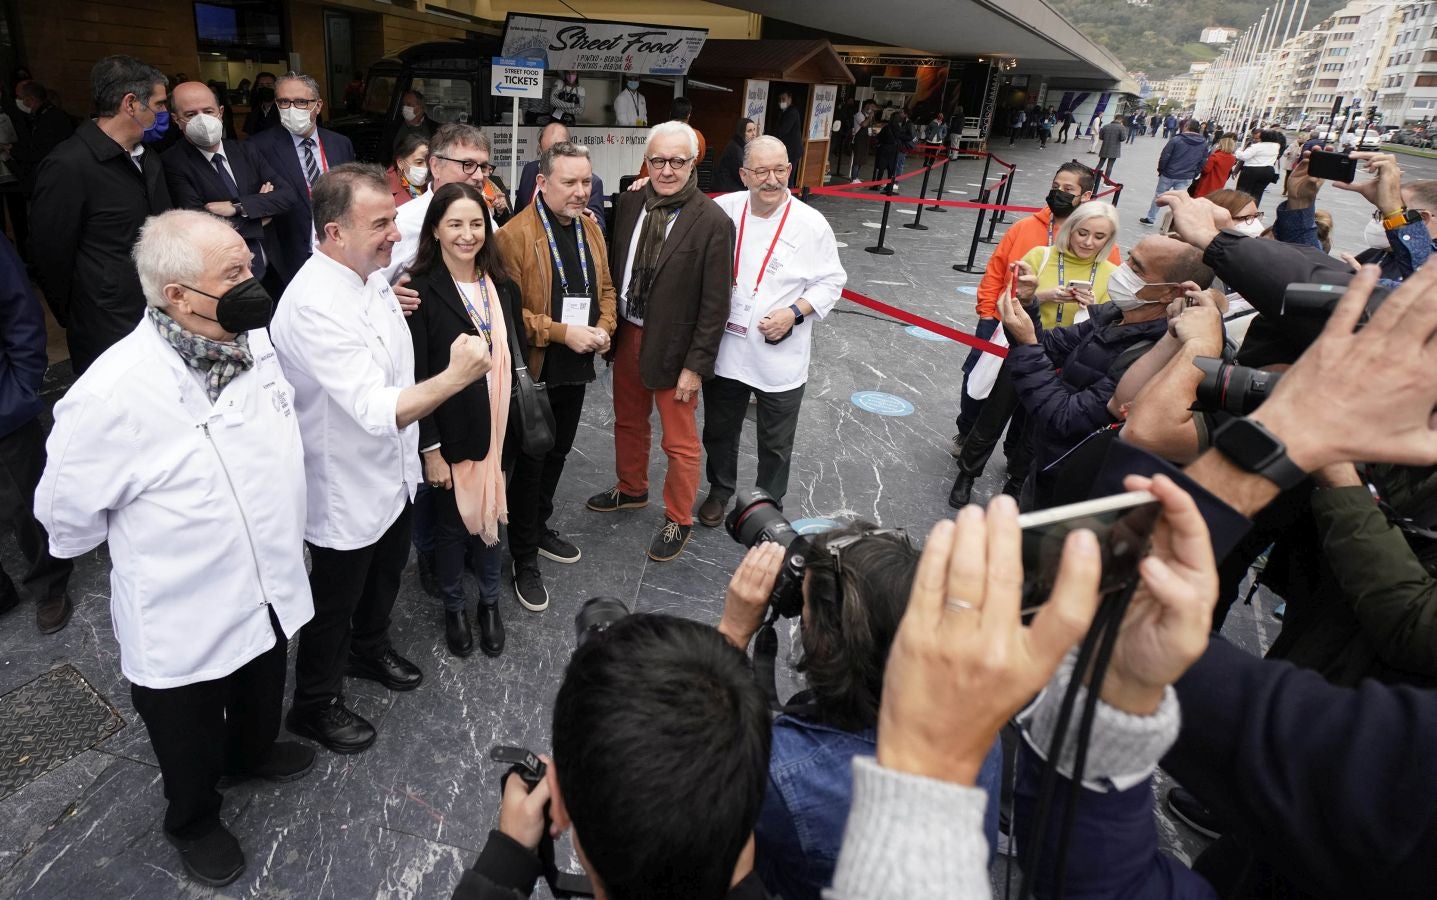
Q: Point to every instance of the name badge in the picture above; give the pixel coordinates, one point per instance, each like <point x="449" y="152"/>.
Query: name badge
<point x="740" y="313"/>
<point x="576" y="311"/>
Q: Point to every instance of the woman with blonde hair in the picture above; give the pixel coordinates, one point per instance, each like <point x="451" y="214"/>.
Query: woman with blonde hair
<point x="1072" y="274"/>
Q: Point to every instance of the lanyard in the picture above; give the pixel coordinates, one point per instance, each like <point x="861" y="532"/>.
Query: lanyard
<point x="738" y="249"/>
<point x="1092" y="279"/>
<point x="554" y="251"/>
<point x="480" y="322"/>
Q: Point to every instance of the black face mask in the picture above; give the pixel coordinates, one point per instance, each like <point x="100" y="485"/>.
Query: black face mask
<point x="244" y="307"/>
<point x="1061" y="203"/>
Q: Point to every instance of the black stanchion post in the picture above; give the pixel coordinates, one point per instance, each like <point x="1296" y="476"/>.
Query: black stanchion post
<point x="993" y="216"/>
<point x="1007" y="192"/>
<point x="1117" y="194"/>
<point x="804" y="194"/>
<point x="883" y="225"/>
<point x="917" y="223"/>
<point x="942" y="179"/>
<point x="977" y="231"/>
<point x="987" y="161"/>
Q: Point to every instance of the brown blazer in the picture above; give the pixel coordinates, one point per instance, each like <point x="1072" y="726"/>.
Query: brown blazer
<point x="526" y="255"/>
<point x="689" y="303"/>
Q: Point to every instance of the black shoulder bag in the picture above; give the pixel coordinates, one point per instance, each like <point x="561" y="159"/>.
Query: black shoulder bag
<point x="531" y="401"/>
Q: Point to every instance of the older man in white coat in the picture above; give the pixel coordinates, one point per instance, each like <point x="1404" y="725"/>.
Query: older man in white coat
<point x="181" y="448"/>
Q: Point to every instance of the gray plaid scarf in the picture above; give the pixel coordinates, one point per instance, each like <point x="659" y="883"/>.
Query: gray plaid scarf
<point x="221" y="361"/>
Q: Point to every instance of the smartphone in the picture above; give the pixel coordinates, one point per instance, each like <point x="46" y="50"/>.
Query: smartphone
<point x="1081" y="286"/>
<point x="1123" y="524"/>
<point x="1013" y="280"/>
<point x="1332" y="165"/>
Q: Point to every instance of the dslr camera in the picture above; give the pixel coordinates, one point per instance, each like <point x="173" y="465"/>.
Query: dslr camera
<point x="756" y="518"/>
<point x="593" y="619"/>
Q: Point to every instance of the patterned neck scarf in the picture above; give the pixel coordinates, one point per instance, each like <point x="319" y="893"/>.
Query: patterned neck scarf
<point x="221" y="361"/>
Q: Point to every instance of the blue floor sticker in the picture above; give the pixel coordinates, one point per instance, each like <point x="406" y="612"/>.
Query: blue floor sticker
<point x="924" y="334"/>
<point x="968" y="289"/>
<point x="816" y="525"/>
<point x="881" y="403"/>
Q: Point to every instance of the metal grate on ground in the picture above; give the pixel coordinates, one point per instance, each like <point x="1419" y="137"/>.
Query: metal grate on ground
<point x="47" y="722"/>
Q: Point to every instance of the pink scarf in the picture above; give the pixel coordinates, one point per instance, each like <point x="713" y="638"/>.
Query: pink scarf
<point x="479" y="484"/>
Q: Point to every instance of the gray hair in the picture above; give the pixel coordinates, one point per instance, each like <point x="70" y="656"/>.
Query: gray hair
<point x="673" y="128"/>
<point x="333" y="193"/>
<point x="306" y="80"/>
<point x="114" y="78"/>
<point x="166" y="252"/>
<point x="1093" y="209"/>
<point x="764" y="142"/>
<point x="458" y="134"/>
<point x="563" y="148"/>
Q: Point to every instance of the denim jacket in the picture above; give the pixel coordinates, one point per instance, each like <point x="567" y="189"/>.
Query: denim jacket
<point x="805" y="808"/>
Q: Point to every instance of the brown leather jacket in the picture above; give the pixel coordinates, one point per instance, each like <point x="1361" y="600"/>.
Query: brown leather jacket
<point x="526" y="255"/>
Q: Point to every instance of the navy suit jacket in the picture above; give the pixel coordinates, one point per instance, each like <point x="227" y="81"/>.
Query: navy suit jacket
<point x="294" y="230"/>
<point x="528" y="180"/>
<point x="194" y="182"/>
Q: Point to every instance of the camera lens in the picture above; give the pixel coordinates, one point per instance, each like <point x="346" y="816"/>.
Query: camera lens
<point x="596" y="615"/>
<point x="756" y="517"/>
<point x="1231" y="388"/>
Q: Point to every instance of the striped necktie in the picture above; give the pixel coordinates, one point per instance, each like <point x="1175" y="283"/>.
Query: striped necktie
<point x="311" y="168"/>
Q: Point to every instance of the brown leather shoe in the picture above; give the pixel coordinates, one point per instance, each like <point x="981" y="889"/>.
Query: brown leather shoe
<point x="711" y="511"/>
<point x="52" y="613"/>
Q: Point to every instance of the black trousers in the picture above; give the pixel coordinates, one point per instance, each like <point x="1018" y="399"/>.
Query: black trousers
<point x="969" y="407"/>
<point x="725" y="404"/>
<point x="532" y="487"/>
<point x="211" y="728"/>
<point x="22" y="459"/>
<point x="354" y="592"/>
<point x="1063" y="132"/>
<point x="1106" y="164"/>
<point x="1000" y="409"/>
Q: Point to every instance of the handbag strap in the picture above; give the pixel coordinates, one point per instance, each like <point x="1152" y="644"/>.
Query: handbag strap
<point x="520" y="363"/>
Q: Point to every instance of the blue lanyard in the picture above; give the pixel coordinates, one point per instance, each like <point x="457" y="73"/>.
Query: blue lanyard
<point x="480" y="322"/>
<point x="1092" y="279"/>
<point x="554" y="251"/>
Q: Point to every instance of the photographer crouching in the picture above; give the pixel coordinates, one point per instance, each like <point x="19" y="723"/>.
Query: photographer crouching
<point x="854" y="592"/>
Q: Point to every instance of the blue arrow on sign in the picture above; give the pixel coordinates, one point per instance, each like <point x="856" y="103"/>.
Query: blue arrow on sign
<point x="509" y="87"/>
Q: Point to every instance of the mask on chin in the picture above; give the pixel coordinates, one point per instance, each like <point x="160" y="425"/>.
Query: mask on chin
<point x="1254" y="228"/>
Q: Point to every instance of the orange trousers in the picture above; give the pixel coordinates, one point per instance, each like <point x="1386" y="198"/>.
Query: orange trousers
<point x="633" y="403"/>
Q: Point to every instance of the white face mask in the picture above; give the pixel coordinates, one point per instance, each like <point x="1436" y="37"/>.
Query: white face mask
<point x="204" y="130"/>
<point x="296" y="121"/>
<point x="417" y="175"/>
<point x="783" y="104"/>
<point x="1375" y="235"/>
<point x="1123" y="287"/>
<point x="23" y="107"/>
<point x="408" y="112"/>
<point x="631" y="85"/>
<point x="1253" y="228"/>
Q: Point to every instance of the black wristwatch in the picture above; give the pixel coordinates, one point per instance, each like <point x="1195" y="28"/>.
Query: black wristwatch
<point x="239" y="208"/>
<point x="1252" y="448"/>
<point x="797" y="314"/>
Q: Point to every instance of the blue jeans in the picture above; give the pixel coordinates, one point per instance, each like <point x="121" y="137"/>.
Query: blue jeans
<point x="1166" y="184"/>
<point x="451" y="540"/>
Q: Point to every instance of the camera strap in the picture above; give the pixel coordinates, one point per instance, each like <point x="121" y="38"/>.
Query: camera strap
<point x="765" y="658"/>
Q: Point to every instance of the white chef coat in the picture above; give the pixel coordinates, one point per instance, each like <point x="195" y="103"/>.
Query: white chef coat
<point x="804" y="264"/>
<point x="410" y="221"/>
<point x="202" y="504"/>
<point x="630" y="108"/>
<point x="345" y="346"/>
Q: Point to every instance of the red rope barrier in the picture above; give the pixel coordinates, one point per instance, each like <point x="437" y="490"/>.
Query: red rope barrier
<point x="898" y="198"/>
<point x="901" y="315"/>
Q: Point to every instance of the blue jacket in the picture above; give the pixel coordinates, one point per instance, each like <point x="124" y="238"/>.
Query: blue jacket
<point x="22" y="344"/>
<point x="1066" y="379"/>
<point x="529" y="177"/>
<point x="1183" y="155"/>
<point x="805" y="808"/>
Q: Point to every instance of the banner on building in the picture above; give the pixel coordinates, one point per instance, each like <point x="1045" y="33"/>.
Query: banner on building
<point x="590" y="45"/>
<point x="820" y="117"/>
<point x="755" y="102"/>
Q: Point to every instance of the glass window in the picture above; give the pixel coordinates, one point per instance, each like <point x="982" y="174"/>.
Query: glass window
<point x="378" y="93"/>
<point x="446" y="99"/>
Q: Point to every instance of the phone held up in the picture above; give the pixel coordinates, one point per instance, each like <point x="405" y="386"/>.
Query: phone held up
<point x="1332" y="165"/>
<point x="1122" y="523"/>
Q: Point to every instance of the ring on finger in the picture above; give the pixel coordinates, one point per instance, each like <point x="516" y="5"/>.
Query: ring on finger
<point x="957" y="604"/>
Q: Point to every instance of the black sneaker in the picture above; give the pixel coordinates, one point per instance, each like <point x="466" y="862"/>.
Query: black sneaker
<point x="529" y="586"/>
<point x="287" y="761"/>
<point x="424" y="562"/>
<point x="613" y="499"/>
<point x="670" y="541"/>
<point x="215" y="859"/>
<point x="553" y="546"/>
<point x="1145" y="220"/>
<point x="335" y="727"/>
<point x="1190" y="811"/>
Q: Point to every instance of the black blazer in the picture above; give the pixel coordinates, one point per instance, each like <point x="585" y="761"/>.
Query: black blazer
<point x="294" y="230"/>
<point x="461" y="423"/>
<point x="194" y="182"/>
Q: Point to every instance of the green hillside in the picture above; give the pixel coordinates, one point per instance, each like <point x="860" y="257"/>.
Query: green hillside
<point x="1159" y="37"/>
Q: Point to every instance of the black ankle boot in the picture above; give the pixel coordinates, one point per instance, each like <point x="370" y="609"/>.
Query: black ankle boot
<point x="491" y="629"/>
<point x="457" y="633"/>
<point x="962" y="491"/>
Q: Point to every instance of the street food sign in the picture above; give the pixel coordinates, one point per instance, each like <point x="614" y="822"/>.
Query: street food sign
<point x="516" y="77"/>
<point x="590" y="45"/>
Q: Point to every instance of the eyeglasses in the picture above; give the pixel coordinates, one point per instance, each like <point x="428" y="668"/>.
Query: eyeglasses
<point x="297" y="104"/>
<point x="658" y="163"/>
<point x="470" y="166"/>
<point x="836" y="547"/>
<point x="1255" y="217"/>
<point x="762" y="174"/>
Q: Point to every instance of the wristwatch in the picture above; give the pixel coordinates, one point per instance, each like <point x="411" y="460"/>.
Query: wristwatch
<point x="1252" y="448"/>
<point x="1403" y="216"/>
<point x="797" y="314"/>
<point x="239" y="208"/>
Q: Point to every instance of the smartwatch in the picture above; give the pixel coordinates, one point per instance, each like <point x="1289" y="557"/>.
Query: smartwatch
<point x="1252" y="448"/>
<point x="797" y="314"/>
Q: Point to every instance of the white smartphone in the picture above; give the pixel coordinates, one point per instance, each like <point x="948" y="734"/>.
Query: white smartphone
<point x="1123" y="524"/>
<point x="1081" y="286"/>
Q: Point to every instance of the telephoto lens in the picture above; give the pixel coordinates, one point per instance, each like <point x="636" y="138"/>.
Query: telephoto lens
<point x="596" y="615"/>
<point x="1230" y="388"/>
<point x="756" y="518"/>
